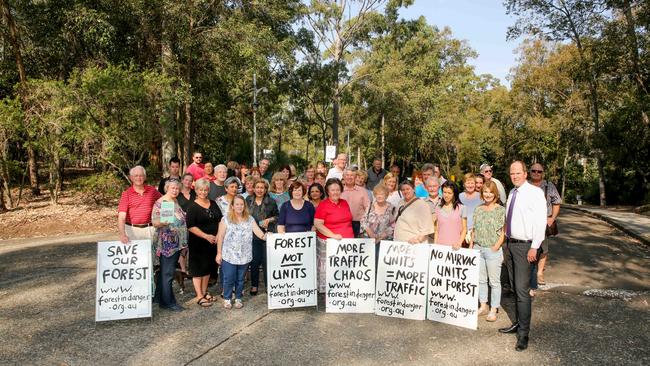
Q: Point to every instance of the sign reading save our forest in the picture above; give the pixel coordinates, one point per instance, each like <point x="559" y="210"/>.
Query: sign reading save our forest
<point x="291" y="270"/>
<point x="350" y="271"/>
<point x="123" y="280"/>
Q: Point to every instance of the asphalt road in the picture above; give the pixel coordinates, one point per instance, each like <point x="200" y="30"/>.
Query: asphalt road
<point x="594" y="310"/>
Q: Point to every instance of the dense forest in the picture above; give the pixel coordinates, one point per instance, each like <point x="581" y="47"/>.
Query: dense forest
<point x="109" y="84"/>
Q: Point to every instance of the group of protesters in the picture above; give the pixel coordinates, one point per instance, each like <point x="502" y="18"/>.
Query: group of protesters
<point x="224" y="212"/>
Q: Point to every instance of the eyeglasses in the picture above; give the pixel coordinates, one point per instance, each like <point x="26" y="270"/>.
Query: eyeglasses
<point x="536" y="171"/>
<point x="487" y="171"/>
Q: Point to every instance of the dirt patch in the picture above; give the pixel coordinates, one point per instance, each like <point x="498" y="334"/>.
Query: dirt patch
<point x="38" y="218"/>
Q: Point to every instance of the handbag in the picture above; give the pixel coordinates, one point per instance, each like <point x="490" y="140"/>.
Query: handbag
<point x="551" y="230"/>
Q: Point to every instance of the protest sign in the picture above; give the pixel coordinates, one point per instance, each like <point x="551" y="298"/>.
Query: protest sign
<point x="453" y="286"/>
<point x="291" y="270"/>
<point x="123" y="280"/>
<point x="350" y="271"/>
<point x="402" y="280"/>
<point x="167" y="211"/>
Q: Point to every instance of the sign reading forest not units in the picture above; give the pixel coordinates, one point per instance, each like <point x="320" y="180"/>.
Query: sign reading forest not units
<point x="123" y="280"/>
<point x="453" y="286"/>
<point x="291" y="270"/>
<point x="350" y="271"/>
<point x="402" y="280"/>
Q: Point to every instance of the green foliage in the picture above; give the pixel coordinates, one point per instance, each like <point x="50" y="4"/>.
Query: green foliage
<point x="101" y="188"/>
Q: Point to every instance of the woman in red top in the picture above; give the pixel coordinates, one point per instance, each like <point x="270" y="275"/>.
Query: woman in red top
<point x="333" y="219"/>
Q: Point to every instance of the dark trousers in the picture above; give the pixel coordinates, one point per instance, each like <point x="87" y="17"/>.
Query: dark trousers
<point x="519" y="270"/>
<point x="259" y="258"/>
<point x="164" y="293"/>
<point x="356" y="228"/>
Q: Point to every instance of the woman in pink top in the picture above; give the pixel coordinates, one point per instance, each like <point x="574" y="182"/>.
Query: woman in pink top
<point x="333" y="219"/>
<point x="451" y="218"/>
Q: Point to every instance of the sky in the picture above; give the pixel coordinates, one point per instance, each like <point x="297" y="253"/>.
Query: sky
<point x="482" y="23"/>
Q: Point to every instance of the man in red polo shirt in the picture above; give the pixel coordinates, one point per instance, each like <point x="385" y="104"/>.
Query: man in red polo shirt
<point x="134" y="209"/>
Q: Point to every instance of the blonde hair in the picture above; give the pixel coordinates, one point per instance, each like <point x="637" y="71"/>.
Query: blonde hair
<point x="469" y="176"/>
<point x="388" y="177"/>
<point x="363" y="174"/>
<point x="231" y="210"/>
<point x="276" y="177"/>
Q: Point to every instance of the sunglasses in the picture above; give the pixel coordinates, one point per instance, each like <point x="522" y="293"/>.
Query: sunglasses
<point x="487" y="171"/>
<point x="537" y="171"/>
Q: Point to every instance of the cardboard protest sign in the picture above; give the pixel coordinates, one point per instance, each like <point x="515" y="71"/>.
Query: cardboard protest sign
<point x="291" y="270"/>
<point x="453" y="286"/>
<point x="402" y="280"/>
<point x="123" y="280"/>
<point x="350" y="271"/>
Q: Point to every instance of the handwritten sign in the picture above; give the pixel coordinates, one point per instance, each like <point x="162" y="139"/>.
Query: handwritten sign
<point x="291" y="270"/>
<point x="453" y="286"/>
<point x="402" y="280"/>
<point x="350" y="276"/>
<point x="123" y="280"/>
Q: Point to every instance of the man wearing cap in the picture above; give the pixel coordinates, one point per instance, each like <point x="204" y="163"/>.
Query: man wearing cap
<point x="486" y="170"/>
<point x="339" y="166"/>
<point x="134" y="209"/>
<point x="525" y="229"/>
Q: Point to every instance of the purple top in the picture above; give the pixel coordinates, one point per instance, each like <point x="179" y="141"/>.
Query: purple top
<point x="296" y="221"/>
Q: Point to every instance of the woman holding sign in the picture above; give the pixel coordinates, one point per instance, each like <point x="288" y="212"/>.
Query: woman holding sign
<point x="170" y="241"/>
<point x="235" y="249"/>
<point x="333" y="219"/>
<point x="451" y="218"/>
<point x="487" y="237"/>
<point x="265" y="212"/>
<point x="203" y="217"/>
<point x="413" y="223"/>
<point x="298" y="215"/>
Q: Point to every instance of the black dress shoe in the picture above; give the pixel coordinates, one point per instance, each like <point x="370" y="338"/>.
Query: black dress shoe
<point x="522" y="343"/>
<point x="511" y="329"/>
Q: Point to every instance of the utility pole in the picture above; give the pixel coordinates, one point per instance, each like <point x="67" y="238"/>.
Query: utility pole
<point x="254" y="119"/>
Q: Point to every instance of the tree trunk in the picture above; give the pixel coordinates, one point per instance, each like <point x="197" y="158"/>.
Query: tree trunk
<point x="564" y="164"/>
<point x="383" y="141"/>
<point x="187" y="135"/>
<point x="14" y="40"/>
<point x="595" y="115"/>
<point x="167" y="121"/>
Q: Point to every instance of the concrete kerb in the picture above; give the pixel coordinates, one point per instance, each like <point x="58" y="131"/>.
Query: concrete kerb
<point x="610" y="221"/>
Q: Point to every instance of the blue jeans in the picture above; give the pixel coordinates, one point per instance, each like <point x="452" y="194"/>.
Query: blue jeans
<point x="490" y="269"/>
<point x="164" y="293"/>
<point x="233" y="276"/>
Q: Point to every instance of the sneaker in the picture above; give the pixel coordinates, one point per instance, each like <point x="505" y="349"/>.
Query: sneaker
<point x="238" y="304"/>
<point x="227" y="304"/>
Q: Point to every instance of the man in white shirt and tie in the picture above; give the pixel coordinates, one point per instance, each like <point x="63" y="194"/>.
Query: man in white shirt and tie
<point x="525" y="230"/>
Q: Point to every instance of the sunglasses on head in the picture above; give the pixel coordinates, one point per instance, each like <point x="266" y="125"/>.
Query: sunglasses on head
<point x="537" y="171"/>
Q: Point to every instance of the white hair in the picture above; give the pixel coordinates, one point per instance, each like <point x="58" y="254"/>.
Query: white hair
<point x="220" y="167"/>
<point x="201" y="183"/>
<point x="170" y="182"/>
<point x="137" y="167"/>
